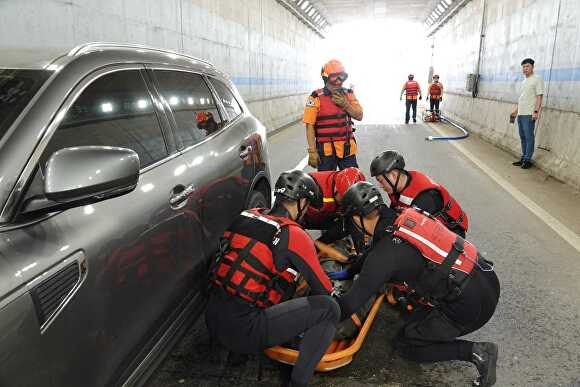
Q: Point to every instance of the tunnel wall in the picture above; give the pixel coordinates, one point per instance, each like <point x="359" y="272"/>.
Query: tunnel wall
<point x="265" y="49"/>
<point x="546" y="30"/>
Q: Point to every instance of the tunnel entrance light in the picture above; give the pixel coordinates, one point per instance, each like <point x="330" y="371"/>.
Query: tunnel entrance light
<point x="305" y="4"/>
<point x="307" y="13"/>
<point x="440" y="8"/>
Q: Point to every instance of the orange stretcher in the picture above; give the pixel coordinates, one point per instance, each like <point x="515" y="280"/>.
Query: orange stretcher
<point x="340" y="352"/>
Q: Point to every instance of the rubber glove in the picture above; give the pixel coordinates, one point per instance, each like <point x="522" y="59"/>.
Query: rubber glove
<point x="339" y="100"/>
<point x="313" y="158"/>
<point x="420" y="97"/>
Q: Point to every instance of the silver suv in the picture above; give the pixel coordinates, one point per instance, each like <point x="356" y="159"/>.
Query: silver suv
<point x="120" y="166"/>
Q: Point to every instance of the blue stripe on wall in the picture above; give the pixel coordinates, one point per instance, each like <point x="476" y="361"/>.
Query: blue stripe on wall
<point x="558" y="75"/>
<point x="243" y="81"/>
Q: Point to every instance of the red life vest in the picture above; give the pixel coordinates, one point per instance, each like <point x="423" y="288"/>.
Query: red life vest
<point x="245" y="268"/>
<point x="332" y="123"/>
<point x="451" y="214"/>
<point x="411" y="89"/>
<point x="435" y="91"/>
<point x="448" y="254"/>
<point x="325" y="181"/>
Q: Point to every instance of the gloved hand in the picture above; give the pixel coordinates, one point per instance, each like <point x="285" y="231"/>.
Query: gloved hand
<point x="313" y="158"/>
<point x="440" y="98"/>
<point x="420" y="97"/>
<point x="339" y="275"/>
<point x="400" y="98"/>
<point x="340" y="100"/>
<point x="427" y="99"/>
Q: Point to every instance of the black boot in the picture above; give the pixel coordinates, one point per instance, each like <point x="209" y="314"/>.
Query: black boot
<point x="526" y="164"/>
<point x="518" y="163"/>
<point x="485" y="359"/>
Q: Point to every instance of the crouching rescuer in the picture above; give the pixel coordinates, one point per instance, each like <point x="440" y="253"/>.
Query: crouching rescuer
<point x="254" y="277"/>
<point x="458" y="288"/>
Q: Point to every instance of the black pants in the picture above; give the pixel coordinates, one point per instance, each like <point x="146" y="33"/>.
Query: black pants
<point x="434" y="104"/>
<point x="430" y="334"/>
<point x="411" y="103"/>
<point x="245" y="329"/>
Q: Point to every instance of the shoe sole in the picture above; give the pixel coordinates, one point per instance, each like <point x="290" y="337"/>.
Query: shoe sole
<point x="491" y="377"/>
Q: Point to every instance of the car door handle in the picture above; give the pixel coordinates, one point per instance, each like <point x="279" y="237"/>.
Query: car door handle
<point x="180" y="194"/>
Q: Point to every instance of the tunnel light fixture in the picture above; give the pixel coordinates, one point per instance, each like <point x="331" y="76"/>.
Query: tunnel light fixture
<point x="307" y="13"/>
<point x="440" y="8"/>
<point x="444" y="4"/>
<point x="448" y="2"/>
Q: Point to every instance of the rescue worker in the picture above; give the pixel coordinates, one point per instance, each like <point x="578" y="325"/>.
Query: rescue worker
<point x="411" y="89"/>
<point x="253" y="277"/>
<point x="333" y="185"/>
<point x="435" y="94"/>
<point x="413" y="188"/>
<point x="328" y="117"/>
<point x="205" y="121"/>
<point x="459" y="285"/>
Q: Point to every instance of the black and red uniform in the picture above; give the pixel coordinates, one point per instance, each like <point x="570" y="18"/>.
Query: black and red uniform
<point x="420" y="191"/>
<point x="443" y="269"/>
<point x="249" y="307"/>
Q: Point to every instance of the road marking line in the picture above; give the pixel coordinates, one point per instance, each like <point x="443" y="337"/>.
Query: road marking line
<point x="302" y="164"/>
<point x="559" y="228"/>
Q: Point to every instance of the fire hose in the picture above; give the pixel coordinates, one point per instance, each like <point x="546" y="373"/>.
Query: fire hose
<point x="442" y="118"/>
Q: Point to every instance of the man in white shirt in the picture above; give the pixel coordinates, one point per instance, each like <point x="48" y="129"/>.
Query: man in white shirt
<point x="528" y="111"/>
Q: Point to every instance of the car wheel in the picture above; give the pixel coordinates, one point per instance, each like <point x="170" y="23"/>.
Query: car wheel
<point x="257" y="200"/>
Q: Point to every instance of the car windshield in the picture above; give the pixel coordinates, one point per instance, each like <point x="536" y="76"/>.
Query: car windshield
<point x="17" y="87"/>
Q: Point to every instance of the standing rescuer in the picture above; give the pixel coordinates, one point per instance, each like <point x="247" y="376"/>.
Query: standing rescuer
<point x="254" y="275"/>
<point x="411" y="89"/>
<point x="329" y="128"/>
<point x="457" y="287"/>
<point x="435" y="93"/>
<point x="413" y="188"/>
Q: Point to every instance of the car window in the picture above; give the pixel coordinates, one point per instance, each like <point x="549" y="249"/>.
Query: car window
<point x="227" y="97"/>
<point x="115" y="110"/>
<point x="193" y="106"/>
<point x="17" y="87"/>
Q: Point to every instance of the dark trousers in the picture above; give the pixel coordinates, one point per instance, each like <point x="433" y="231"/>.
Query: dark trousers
<point x="430" y="334"/>
<point x="434" y="103"/>
<point x="246" y="329"/>
<point x="330" y="163"/>
<point x="410" y="103"/>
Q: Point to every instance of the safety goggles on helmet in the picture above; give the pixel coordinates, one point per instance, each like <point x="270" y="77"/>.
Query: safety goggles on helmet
<point x="340" y="76"/>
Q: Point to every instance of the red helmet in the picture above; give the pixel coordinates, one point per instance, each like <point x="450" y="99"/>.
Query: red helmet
<point x="345" y="178"/>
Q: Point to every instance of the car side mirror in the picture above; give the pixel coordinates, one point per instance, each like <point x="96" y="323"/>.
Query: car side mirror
<point x="84" y="175"/>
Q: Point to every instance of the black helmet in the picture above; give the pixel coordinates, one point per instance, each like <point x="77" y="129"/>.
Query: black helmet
<point x="410" y="76"/>
<point x="295" y="185"/>
<point x="386" y="162"/>
<point x="361" y="199"/>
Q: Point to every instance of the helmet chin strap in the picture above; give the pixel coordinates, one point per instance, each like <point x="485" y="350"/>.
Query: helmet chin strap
<point x="300" y="209"/>
<point x="362" y="225"/>
<point x="393" y="186"/>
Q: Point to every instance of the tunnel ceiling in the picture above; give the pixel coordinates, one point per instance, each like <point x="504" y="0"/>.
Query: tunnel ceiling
<point x="339" y="11"/>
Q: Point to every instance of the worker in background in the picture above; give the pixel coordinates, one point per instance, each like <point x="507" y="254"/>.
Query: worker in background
<point x="413" y="188"/>
<point x="328" y="117"/>
<point x="528" y="111"/>
<point x="457" y="287"/>
<point x="435" y="94"/>
<point x="254" y="275"/>
<point x="411" y="89"/>
<point x="333" y="185"/>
